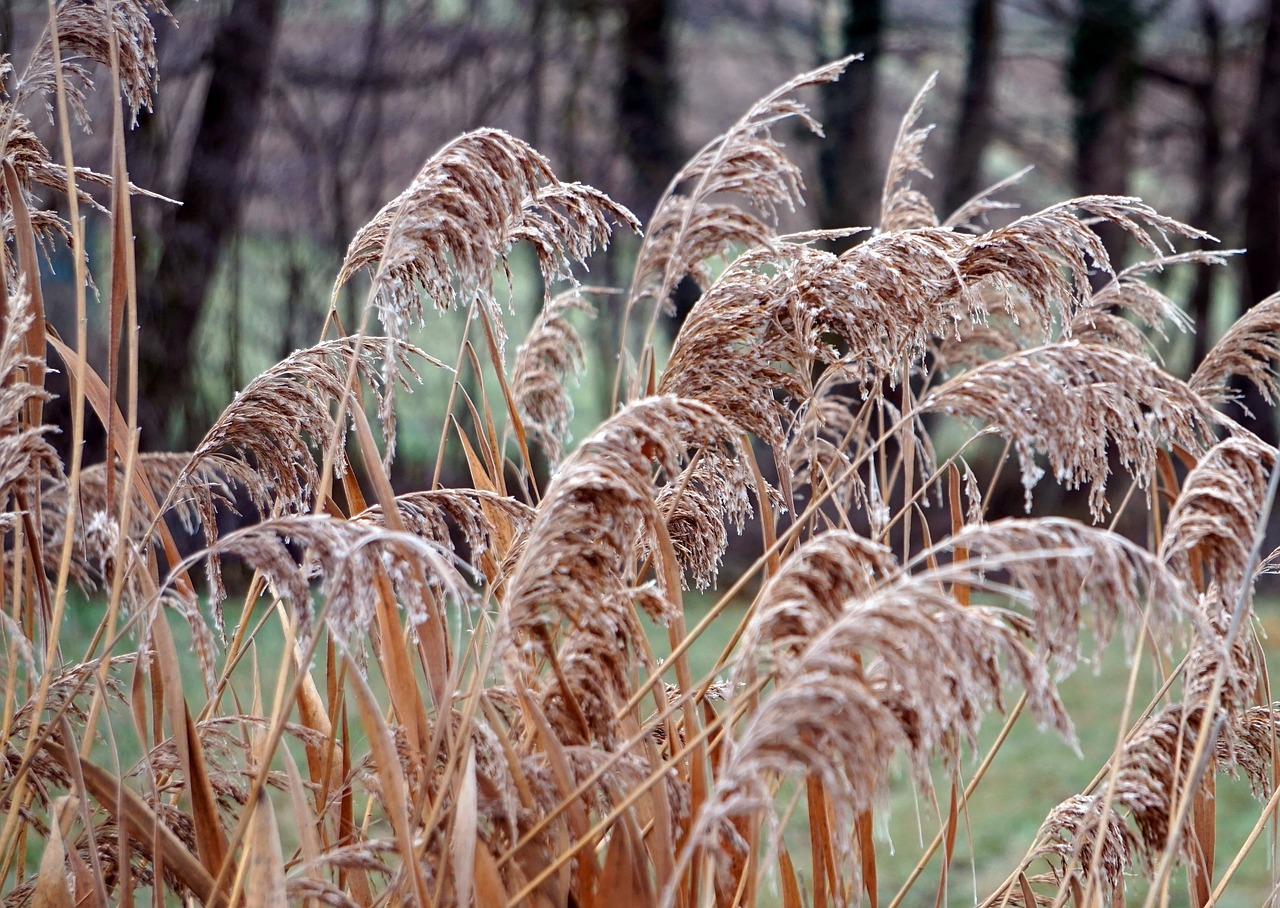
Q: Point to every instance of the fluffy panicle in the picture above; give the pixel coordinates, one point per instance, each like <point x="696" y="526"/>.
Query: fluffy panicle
<point x="1103" y="319"/>
<point x="899" y="292"/>
<point x="1070" y="838"/>
<point x="685" y="237"/>
<point x="459" y="217"/>
<point x="271" y="423"/>
<point x="25" y="455"/>
<point x="729" y="355"/>
<point x="1064" y="570"/>
<point x="1223" y="669"/>
<point x="1123" y="313"/>
<point x="1213" y="523"/>
<point x="1209" y="539"/>
<point x="33" y="166"/>
<point x="551" y="354"/>
<point x="1156" y="767"/>
<point x="565" y="223"/>
<point x="599" y="504"/>
<point x="698" y="506"/>
<point x="348" y="556"/>
<point x="85" y="35"/>
<point x="1250" y="349"/>
<point x="1154" y="770"/>
<point x="207" y="489"/>
<point x="833" y="717"/>
<point x="901" y="207"/>
<point x="746" y="161"/>
<point x="811" y="589"/>
<point x="578" y="563"/>
<point x="1091" y="842"/>
<point x="1248" y="746"/>
<point x="1047" y="256"/>
<point x="905" y="669"/>
<point x="1077" y="404"/>
<point x="596" y="661"/>
<point x="772" y="315"/>
<point x="486" y="522"/>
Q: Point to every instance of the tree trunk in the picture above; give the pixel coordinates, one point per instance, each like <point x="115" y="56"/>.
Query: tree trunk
<point x="1262" y="208"/>
<point x="850" y="175"/>
<point x="1209" y="186"/>
<point x="977" y="107"/>
<point x="1103" y="76"/>
<point x="1262" y="201"/>
<point x="171" y="303"/>
<point x="646" y="99"/>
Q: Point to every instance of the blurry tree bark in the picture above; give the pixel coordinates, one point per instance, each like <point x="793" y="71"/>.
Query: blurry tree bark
<point x="646" y="100"/>
<point x="361" y="119"/>
<point x="849" y="174"/>
<point x="964" y="178"/>
<point x="1262" y="208"/>
<point x="1262" y="200"/>
<point x="1211" y="165"/>
<point x="1211" y="154"/>
<point x="583" y="34"/>
<point x="1103" y="76"/>
<point x="1202" y="93"/>
<point x="212" y="193"/>
<point x="6" y="27"/>
<point x="539" y="26"/>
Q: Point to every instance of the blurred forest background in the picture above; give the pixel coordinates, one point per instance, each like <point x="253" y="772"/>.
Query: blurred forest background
<point x="283" y="127"/>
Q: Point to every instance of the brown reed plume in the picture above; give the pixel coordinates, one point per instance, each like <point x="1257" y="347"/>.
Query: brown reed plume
<point x="690" y="227"/>
<point x="470" y="202"/>
<point x="1248" y="349"/>
<point x="579" y="561"/>
<point x="1075" y="402"/>
<point x="551" y="353"/>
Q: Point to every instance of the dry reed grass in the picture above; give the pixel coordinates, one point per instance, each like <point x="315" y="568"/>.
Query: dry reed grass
<point x="483" y="717"/>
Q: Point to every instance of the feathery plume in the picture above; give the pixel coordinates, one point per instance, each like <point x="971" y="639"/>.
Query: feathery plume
<point x="1209" y="537"/>
<point x="459" y="217"/>
<point x="1076" y="403"/>
<point x="1215" y="517"/>
<point x="905" y="669"/>
<point x="811" y="589"/>
<point x="84" y="34"/>
<point x="346" y="555"/>
<point x="699" y="506"/>
<point x="1128" y="293"/>
<point x="747" y="161"/>
<point x="1071" y="833"/>
<point x="486" y="521"/>
<point x="1074" y="576"/>
<point x="208" y="488"/>
<point x="901" y="207"/>
<point x="25" y="455"/>
<point x="551" y="353"/>
<point x="271" y="421"/>
<point x="578" y="562"/>
<point x="1250" y="348"/>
